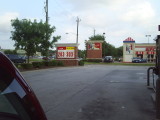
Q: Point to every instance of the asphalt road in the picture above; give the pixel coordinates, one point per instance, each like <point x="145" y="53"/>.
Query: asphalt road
<point x="93" y="92"/>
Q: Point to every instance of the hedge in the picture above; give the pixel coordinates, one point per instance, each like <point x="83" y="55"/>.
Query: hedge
<point x="26" y="65"/>
<point x="94" y="60"/>
<point x="54" y="63"/>
<point x="81" y="63"/>
<point x="60" y="63"/>
<point x="47" y="63"/>
<point x="37" y="64"/>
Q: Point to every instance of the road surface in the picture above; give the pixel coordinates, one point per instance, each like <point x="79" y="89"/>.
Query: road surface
<point x="93" y="92"/>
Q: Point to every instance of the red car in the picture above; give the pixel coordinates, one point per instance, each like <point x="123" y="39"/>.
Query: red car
<point x="17" y="99"/>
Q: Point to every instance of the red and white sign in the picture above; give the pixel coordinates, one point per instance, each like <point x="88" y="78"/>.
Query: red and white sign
<point x="150" y="52"/>
<point x="150" y="48"/>
<point x="66" y="52"/>
<point x="94" y="46"/>
<point x="139" y="52"/>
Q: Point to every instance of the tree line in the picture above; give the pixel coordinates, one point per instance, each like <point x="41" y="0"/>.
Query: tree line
<point x="34" y="36"/>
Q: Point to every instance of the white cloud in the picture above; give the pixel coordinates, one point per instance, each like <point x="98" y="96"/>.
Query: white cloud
<point x="5" y="21"/>
<point x="119" y="19"/>
<point x="5" y="29"/>
<point x="141" y="13"/>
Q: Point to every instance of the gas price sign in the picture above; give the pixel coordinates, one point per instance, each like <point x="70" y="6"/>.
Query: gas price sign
<point x="66" y="52"/>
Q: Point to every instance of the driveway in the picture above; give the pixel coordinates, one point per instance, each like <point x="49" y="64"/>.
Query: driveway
<point x="93" y="92"/>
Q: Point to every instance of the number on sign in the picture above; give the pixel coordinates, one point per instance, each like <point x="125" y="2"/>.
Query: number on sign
<point x="60" y="54"/>
<point x="69" y="54"/>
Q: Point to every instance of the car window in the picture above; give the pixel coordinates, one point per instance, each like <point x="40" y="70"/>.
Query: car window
<point x="11" y="98"/>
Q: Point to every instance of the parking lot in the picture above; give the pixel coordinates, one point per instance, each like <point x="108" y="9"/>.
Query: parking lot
<point x="93" y="92"/>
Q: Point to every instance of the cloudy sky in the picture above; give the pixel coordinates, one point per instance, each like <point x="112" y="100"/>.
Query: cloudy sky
<point x="118" y="19"/>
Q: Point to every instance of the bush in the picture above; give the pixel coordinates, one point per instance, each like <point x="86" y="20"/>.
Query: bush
<point x="94" y="60"/>
<point x="16" y="64"/>
<point x="60" y="63"/>
<point x="81" y="63"/>
<point x="47" y="63"/>
<point x="54" y="63"/>
<point x="26" y="65"/>
<point x="84" y="60"/>
<point x="37" y="64"/>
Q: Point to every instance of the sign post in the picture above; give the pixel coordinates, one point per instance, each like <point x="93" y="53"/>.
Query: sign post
<point x="67" y="53"/>
<point x="94" y="50"/>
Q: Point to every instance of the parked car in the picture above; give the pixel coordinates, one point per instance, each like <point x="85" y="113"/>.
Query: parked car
<point x="17" y="99"/>
<point x="137" y="60"/>
<point x="46" y="58"/>
<point x="108" y="59"/>
<point x="144" y="60"/>
<point x="17" y="58"/>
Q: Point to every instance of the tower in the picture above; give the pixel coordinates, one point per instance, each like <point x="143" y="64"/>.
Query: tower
<point x="128" y="49"/>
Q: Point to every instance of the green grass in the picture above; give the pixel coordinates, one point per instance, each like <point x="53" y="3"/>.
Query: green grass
<point x="35" y="60"/>
<point x="125" y="64"/>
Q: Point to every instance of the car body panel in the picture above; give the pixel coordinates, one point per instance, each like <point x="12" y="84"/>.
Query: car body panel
<point x="136" y="60"/>
<point x="20" y="96"/>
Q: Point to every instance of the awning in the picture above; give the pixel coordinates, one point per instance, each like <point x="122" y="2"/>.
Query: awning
<point x="151" y="52"/>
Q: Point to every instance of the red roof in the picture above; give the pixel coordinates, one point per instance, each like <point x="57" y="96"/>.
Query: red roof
<point x="129" y="39"/>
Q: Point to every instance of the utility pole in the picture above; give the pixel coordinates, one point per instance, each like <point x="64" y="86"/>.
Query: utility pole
<point x="94" y="32"/>
<point x="46" y="11"/>
<point x="78" y="20"/>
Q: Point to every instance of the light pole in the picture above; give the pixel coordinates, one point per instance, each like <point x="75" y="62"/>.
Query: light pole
<point x="148" y="37"/>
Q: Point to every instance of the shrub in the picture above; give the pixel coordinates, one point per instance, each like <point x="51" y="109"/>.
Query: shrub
<point x="26" y="65"/>
<point x="81" y="63"/>
<point x="16" y="64"/>
<point x="47" y="63"/>
<point x="37" y="64"/>
<point x="54" y="63"/>
<point x="94" y="60"/>
<point x="84" y="60"/>
<point x="60" y="63"/>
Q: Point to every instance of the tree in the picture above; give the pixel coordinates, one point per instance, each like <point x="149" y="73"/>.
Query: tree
<point x="120" y="51"/>
<point x="10" y="52"/>
<point x="32" y="36"/>
<point x="97" y="37"/>
<point x="82" y="53"/>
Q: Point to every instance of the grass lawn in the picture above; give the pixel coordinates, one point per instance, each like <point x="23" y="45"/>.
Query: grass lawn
<point x="35" y="60"/>
<point x="119" y="63"/>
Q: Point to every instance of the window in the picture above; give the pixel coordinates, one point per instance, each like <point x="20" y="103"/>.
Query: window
<point x="11" y="98"/>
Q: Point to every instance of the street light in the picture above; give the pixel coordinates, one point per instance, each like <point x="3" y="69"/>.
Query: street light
<point x="148" y="37"/>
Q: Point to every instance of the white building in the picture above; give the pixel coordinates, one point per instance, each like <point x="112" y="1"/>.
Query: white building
<point x="142" y="50"/>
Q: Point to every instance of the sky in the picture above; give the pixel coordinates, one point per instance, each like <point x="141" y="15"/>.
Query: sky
<point x="118" y="19"/>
